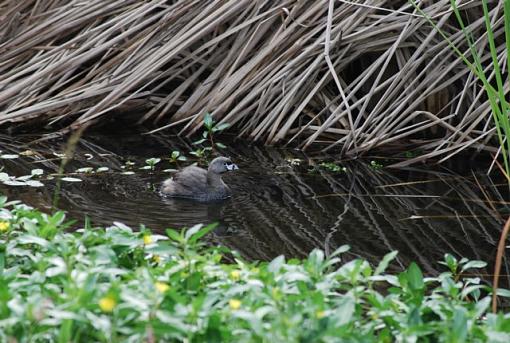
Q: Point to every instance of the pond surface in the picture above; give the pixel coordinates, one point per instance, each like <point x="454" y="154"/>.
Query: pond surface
<point x="282" y="204"/>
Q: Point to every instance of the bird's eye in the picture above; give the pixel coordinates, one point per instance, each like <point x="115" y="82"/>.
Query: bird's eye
<point x="225" y="164"/>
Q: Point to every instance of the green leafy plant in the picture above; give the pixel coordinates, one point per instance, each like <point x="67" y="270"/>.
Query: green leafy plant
<point x="376" y="165"/>
<point x="211" y="129"/>
<point x="176" y="156"/>
<point x="332" y="167"/>
<point x="150" y="163"/>
<point x="116" y="284"/>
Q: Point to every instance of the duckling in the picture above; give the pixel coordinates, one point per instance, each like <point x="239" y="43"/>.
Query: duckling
<point x="199" y="184"/>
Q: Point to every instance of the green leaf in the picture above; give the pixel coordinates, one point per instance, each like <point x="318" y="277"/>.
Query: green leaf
<point x="221" y="127"/>
<point x="152" y="161"/>
<point x="29" y="239"/>
<point x="208" y="121"/>
<point x="276" y="264"/>
<point x="385" y="262"/>
<point x="415" y="277"/>
<point x="339" y="251"/>
<point x="502" y="292"/>
<point x="221" y="146"/>
<point x="474" y="265"/>
<point x="191" y="231"/>
<point x="459" y="328"/>
<point x="202" y="232"/>
<point x="200" y="141"/>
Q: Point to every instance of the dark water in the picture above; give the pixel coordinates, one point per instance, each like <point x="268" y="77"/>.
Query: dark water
<point x="278" y="207"/>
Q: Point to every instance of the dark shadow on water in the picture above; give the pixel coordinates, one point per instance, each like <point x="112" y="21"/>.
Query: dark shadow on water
<point x="280" y="208"/>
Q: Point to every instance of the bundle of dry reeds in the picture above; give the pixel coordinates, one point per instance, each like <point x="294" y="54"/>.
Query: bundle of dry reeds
<point x="357" y="75"/>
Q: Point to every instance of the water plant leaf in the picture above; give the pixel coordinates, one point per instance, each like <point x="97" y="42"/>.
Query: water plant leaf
<point x="85" y="170"/>
<point x="14" y="183"/>
<point x="71" y="179"/>
<point x="9" y="156"/>
<point x="152" y="161"/>
<point x="34" y="183"/>
<point x="102" y="169"/>
<point x="37" y="172"/>
<point x="4" y="176"/>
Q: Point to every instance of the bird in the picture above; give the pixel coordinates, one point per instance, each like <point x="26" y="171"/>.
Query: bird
<point x="198" y="184"/>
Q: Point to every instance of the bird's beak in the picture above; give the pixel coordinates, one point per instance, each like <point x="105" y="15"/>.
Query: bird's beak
<point x="232" y="167"/>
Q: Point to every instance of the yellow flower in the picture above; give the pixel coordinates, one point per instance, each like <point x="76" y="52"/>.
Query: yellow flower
<point x="156" y="258"/>
<point x="276" y="293"/>
<point x="161" y="287"/>
<point x="107" y="304"/>
<point x="320" y="314"/>
<point x="234" y="304"/>
<point x="4" y="226"/>
<point x="147" y="239"/>
<point x="235" y="275"/>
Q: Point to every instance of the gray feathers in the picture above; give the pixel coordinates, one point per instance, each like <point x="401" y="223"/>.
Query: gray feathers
<point x="199" y="184"/>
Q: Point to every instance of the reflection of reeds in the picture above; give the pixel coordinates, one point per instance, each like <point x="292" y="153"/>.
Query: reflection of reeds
<point x="354" y="75"/>
<point x="301" y="217"/>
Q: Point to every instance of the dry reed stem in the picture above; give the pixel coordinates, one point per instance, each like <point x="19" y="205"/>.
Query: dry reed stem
<point x="497" y="268"/>
<point x="358" y="75"/>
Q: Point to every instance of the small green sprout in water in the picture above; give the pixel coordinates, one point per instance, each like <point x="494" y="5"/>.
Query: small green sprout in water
<point x="176" y="156"/>
<point x="25" y="180"/>
<point x="201" y="152"/>
<point x="294" y="161"/>
<point x="85" y="170"/>
<point x="332" y="167"/>
<point x="211" y="128"/>
<point x="151" y="163"/>
<point x="375" y="165"/>
<point x="127" y="166"/>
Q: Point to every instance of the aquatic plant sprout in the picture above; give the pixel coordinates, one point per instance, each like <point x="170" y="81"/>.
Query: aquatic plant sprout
<point x="115" y="284"/>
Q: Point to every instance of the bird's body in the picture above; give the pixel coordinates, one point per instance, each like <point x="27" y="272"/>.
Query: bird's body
<point x="199" y="184"/>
